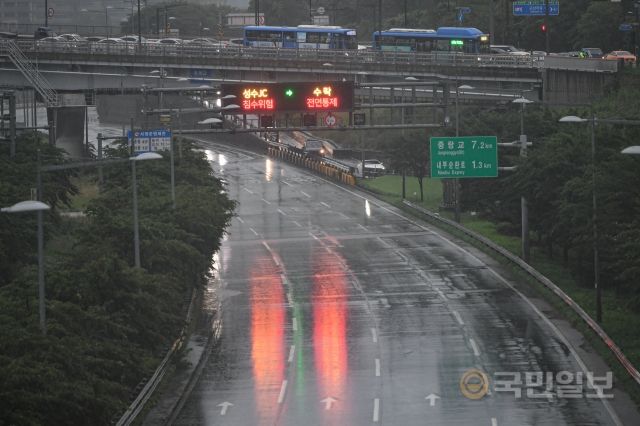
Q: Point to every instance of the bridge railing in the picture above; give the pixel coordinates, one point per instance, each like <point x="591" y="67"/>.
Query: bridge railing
<point x="323" y="58"/>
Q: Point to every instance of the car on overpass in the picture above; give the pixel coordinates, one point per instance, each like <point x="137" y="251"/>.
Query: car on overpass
<point x="621" y="55"/>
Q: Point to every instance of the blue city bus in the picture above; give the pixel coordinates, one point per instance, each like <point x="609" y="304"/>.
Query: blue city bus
<point x="301" y="37"/>
<point x="444" y="39"/>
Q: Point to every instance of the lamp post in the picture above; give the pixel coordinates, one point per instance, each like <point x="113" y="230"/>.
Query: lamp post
<point x="136" y="235"/>
<point x="39" y="207"/>
<point x="524" y="209"/>
<point x="596" y="267"/>
<point x="456" y="182"/>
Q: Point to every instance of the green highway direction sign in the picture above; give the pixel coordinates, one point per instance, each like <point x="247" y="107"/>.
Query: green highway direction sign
<point x="464" y="157"/>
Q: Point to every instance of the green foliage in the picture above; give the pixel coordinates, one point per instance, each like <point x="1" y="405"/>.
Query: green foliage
<point x="107" y="322"/>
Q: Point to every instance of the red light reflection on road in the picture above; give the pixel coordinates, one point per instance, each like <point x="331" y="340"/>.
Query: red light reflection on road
<point x="330" y="327"/>
<point x="268" y="316"/>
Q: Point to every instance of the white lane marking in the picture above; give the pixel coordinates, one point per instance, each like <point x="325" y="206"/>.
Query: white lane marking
<point x="297" y="224"/>
<point x="314" y="237"/>
<point x="476" y="352"/>
<point x="281" y="212"/>
<point x="292" y="351"/>
<point x="305" y="194"/>
<point x="376" y="410"/>
<point x="325" y="204"/>
<point x="285" y="182"/>
<point x="441" y="294"/>
<point x="266" y="245"/>
<point x="268" y="202"/>
<point x="342" y="215"/>
<point x="283" y="390"/>
<point x="253" y="230"/>
<point x="240" y="219"/>
<point x="327" y="249"/>
<point x="374" y="335"/>
<point x="362" y="227"/>
<point x="294" y="323"/>
<point x="494" y="421"/>
<point x="458" y="317"/>
<point x="248" y="190"/>
<point x="377" y="367"/>
<point x="289" y="298"/>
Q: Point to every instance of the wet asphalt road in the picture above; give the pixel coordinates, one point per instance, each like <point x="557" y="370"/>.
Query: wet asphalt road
<point x="339" y="310"/>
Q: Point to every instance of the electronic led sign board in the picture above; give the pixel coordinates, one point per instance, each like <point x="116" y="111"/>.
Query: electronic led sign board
<point x="298" y="96"/>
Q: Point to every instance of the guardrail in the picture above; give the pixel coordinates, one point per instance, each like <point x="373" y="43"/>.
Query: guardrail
<point x="147" y="391"/>
<point x="291" y="57"/>
<point x="622" y="359"/>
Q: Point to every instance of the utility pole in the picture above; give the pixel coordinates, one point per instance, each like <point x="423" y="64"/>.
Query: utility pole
<point x="546" y="25"/>
<point x="139" y="29"/>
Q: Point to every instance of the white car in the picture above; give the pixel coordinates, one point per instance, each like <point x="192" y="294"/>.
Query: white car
<point x="507" y="49"/>
<point x="371" y="167"/>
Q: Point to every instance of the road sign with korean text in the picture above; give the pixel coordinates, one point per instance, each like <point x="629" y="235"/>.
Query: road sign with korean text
<point x="150" y="140"/>
<point x="464" y="157"/>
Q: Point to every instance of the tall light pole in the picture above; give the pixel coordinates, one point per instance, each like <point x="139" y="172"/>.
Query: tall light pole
<point x="136" y="234"/>
<point x="39" y="207"/>
<point x="524" y="209"/>
<point x="139" y="29"/>
<point x="456" y="182"/>
<point x="594" y="215"/>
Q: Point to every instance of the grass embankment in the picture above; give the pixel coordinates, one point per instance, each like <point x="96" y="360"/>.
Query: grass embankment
<point x="620" y="322"/>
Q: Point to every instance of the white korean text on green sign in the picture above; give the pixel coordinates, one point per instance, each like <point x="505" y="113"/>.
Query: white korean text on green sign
<point x="464" y="157"/>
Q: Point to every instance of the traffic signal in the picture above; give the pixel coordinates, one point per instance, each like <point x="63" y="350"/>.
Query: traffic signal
<point x="543" y="28"/>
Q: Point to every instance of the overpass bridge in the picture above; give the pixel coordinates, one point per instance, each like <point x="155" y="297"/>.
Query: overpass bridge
<point x="552" y="80"/>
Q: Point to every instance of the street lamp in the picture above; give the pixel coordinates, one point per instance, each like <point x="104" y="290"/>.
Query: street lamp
<point x="456" y="182"/>
<point x="524" y="209"/>
<point x="39" y="207"/>
<point x="631" y="150"/>
<point x="596" y="268"/>
<point x="136" y="236"/>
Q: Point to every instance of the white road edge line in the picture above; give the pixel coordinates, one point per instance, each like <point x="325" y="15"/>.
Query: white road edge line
<point x="292" y="351"/>
<point x="377" y="367"/>
<point x="458" y="317"/>
<point x="374" y="335"/>
<point x="476" y="352"/>
<point x="376" y="410"/>
<point x="283" y="390"/>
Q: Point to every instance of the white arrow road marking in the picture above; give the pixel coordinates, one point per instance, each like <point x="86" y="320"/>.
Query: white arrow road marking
<point x="225" y="405"/>
<point x="432" y="397"/>
<point x="328" y="401"/>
